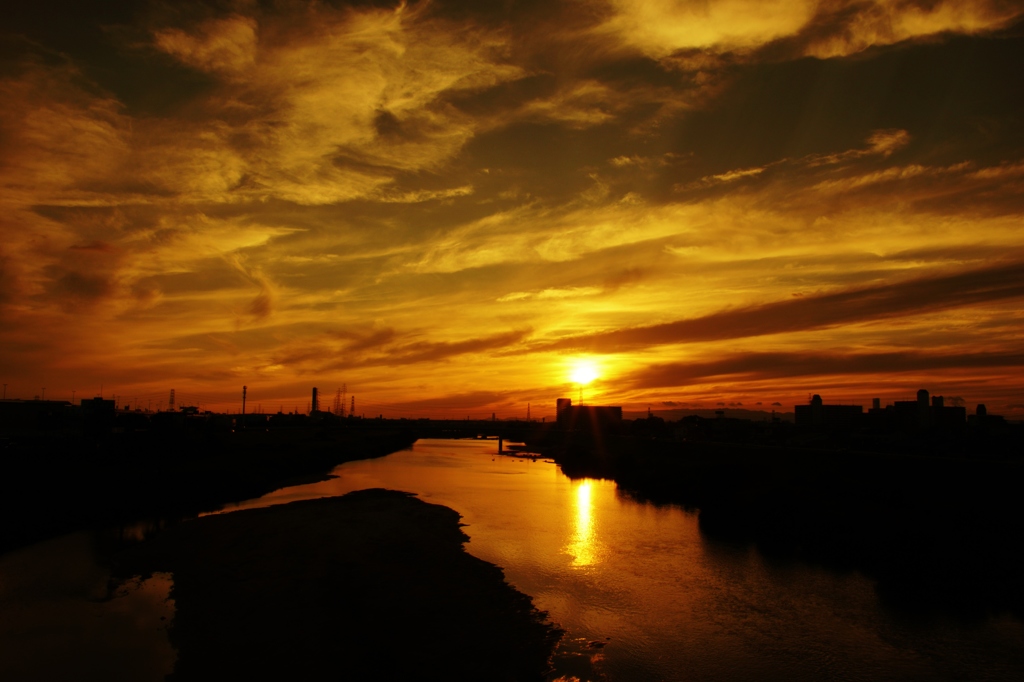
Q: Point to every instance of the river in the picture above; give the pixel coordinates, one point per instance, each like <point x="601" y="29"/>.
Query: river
<point x="641" y="593"/>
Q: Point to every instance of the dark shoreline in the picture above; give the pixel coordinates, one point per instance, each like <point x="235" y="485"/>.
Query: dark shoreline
<point x="936" y="534"/>
<point x="375" y="584"/>
<point x="50" y="487"/>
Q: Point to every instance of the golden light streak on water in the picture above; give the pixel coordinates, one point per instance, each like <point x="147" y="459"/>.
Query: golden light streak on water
<point x="583" y="543"/>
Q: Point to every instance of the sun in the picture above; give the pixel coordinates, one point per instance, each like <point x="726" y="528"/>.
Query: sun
<point x="583" y="372"/>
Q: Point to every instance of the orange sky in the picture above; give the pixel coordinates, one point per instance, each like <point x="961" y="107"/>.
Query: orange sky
<point x="446" y="205"/>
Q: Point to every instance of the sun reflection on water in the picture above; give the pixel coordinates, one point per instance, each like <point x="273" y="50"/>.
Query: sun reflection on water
<point x="582" y="544"/>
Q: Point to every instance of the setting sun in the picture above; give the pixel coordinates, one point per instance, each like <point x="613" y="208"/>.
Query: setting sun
<point x="584" y="372"/>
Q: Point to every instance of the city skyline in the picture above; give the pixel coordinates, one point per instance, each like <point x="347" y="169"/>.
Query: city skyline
<point x="448" y="208"/>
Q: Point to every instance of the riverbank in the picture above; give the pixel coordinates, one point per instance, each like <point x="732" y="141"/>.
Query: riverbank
<point x="49" y="487"/>
<point x="937" y="534"/>
<point x="372" y="585"/>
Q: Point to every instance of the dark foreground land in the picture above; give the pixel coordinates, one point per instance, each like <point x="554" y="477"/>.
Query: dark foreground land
<point x="371" y="585"/>
<point x="55" y="485"/>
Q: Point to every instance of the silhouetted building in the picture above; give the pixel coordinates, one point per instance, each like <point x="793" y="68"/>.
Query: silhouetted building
<point x="945" y="417"/>
<point x="925" y="415"/>
<point x="96" y="406"/>
<point x="32" y="415"/>
<point x="982" y="419"/>
<point x="590" y="417"/>
<point x="911" y="415"/>
<point x="561" y="404"/>
<point x="818" y="415"/>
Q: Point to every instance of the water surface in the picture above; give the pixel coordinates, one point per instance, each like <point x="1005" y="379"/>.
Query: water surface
<point x="63" y="618"/>
<point x="643" y="596"/>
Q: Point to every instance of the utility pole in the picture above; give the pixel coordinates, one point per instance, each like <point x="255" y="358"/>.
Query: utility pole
<point x="244" y="389"/>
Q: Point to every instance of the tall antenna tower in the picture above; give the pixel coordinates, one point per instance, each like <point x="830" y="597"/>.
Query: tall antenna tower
<point x="337" y="402"/>
<point x="344" y="392"/>
<point x="315" y="402"/>
<point x="170" y="403"/>
<point x="352" y="411"/>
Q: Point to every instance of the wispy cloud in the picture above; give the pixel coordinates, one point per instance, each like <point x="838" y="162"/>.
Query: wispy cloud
<point x="824" y="28"/>
<point x="911" y="297"/>
<point x="226" y="46"/>
<point x="773" y="365"/>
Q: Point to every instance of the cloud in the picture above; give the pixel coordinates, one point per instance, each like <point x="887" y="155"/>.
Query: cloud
<point x="55" y="135"/>
<point x="329" y="105"/>
<point x="421" y="196"/>
<point x="8" y="283"/>
<point x="728" y="176"/>
<point x="433" y="351"/>
<point x="384" y="347"/>
<point x="624" y="277"/>
<point x="843" y="27"/>
<point x="757" y="366"/>
<point x="370" y="341"/>
<point x="72" y="288"/>
<point x="225" y="45"/>
<point x="261" y="306"/>
<point x="662" y="29"/>
<point x="582" y="105"/>
<point x="550" y="293"/>
<point x="907" y="298"/>
<point x="879" y="144"/>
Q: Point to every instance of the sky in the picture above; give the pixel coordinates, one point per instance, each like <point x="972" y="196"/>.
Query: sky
<point x="448" y="206"/>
